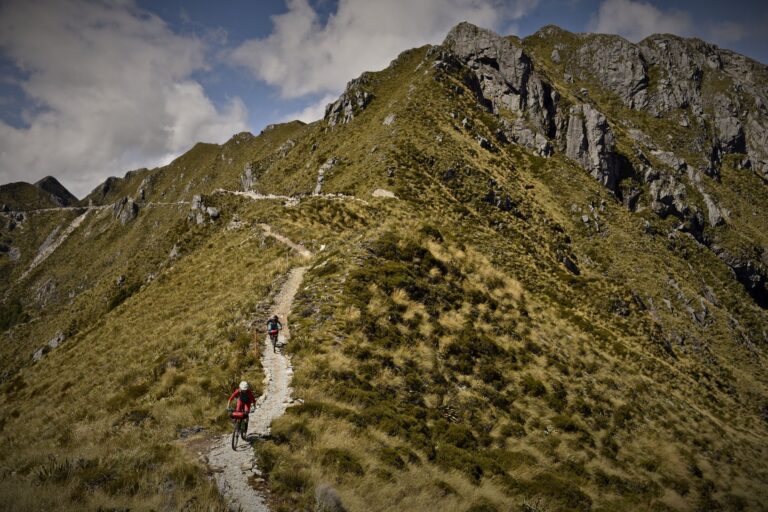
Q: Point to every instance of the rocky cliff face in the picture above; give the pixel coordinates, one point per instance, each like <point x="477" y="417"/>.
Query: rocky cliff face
<point x="716" y="97"/>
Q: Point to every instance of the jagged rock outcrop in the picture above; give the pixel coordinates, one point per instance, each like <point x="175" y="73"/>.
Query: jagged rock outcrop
<point x="757" y="142"/>
<point x="321" y="172"/>
<point x="505" y="74"/>
<point x="352" y="101"/>
<point x="668" y="196"/>
<point x="618" y="66"/>
<point x="590" y="142"/>
<point x="507" y="80"/>
<point x="145" y="187"/>
<point x="125" y="210"/>
<point x="53" y="343"/>
<point x="750" y="270"/>
<point x="681" y="65"/>
<point x="247" y="178"/>
<point x="199" y="212"/>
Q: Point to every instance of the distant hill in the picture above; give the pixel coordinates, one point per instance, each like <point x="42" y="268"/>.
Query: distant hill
<point x="59" y="194"/>
<point x="46" y="193"/>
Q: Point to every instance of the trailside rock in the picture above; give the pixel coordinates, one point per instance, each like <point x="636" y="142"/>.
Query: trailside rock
<point x="327" y="499"/>
<point x="246" y="180"/>
<point x="125" y="210"/>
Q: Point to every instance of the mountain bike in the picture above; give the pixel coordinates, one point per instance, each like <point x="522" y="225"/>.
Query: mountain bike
<point x="240" y="421"/>
<point x="273" y="334"/>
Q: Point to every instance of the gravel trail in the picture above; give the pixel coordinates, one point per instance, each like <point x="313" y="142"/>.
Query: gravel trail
<point x="233" y="469"/>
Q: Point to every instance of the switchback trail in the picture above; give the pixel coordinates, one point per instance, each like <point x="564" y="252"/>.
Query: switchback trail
<point x="233" y="469"/>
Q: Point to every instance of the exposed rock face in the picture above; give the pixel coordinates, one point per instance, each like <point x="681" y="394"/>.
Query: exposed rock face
<point x="750" y="271"/>
<point x="618" y="65"/>
<point x="681" y="68"/>
<point x="199" y="212"/>
<point x="508" y="81"/>
<point x="757" y="142"/>
<point x="53" y="343"/>
<point x="668" y="197"/>
<point x="321" y="172"/>
<point x="505" y="74"/>
<point x="246" y="180"/>
<point x="351" y="102"/>
<point x="590" y="142"/>
<point x="144" y="188"/>
<point x="125" y="210"/>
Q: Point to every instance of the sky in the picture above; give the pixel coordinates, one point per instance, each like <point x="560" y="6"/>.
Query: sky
<point x="95" y="88"/>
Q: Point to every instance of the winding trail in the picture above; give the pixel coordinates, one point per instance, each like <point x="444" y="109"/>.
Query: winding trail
<point x="233" y="469"/>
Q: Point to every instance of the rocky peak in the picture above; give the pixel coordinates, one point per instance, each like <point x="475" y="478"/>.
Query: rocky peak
<point x="352" y="101"/>
<point x="59" y="194"/>
<point x="507" y="80"/>
<point x="502" y="67"/>
<point x="618" y="66"/>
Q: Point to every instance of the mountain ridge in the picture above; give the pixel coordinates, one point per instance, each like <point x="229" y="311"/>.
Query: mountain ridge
<point x="544" y="312"/>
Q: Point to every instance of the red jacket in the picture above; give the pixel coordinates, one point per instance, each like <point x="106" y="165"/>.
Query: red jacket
<point x="251" y="400"/>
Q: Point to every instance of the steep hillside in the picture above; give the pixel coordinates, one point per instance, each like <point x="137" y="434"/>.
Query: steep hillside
<point x="537" y="282"/>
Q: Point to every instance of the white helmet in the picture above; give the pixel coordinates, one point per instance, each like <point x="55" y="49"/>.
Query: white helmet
<point x="244" y="386"/>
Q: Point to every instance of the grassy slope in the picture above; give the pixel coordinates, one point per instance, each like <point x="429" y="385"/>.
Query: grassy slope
<point x="566" y="392"/>
<point x="446" y="358"/>
<point x="22" y="196"/>
<point x="162" y="360"/>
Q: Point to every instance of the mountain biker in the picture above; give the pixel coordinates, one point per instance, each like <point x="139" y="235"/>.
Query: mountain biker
<point x="273" y="325"/>
<point x="245" y="398"/>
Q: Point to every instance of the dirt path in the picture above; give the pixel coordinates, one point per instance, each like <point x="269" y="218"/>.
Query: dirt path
<point x="280" y="238"/>
<point x="232" y="468"/>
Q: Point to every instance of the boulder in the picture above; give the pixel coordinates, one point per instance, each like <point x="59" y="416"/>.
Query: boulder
<point x="327" y="499"/>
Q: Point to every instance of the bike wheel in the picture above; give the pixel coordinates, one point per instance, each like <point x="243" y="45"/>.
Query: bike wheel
<point x="273" y="337"/>
<point x="235" y="434"/>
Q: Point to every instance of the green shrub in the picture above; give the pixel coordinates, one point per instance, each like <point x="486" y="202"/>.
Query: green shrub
<point x="294" y="432"/>
<point x="482" y="505"/>
<point x="391" y="457"/>
<point x="342" y="461"/>
<point x="12" y="313"/>
<point x="531" y="386"/>
<point x="122" y="294"/>
<point x="565" y="423"/>
<point x="290" y="480"/>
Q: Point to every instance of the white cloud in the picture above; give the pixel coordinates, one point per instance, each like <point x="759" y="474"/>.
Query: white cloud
<point x="636" y="20"/>
<point x="727" y="32"/>
<point x="313" y="111"/>
<point x="114" y="90"/>
<point x="304" y="55"/>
